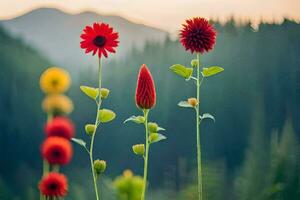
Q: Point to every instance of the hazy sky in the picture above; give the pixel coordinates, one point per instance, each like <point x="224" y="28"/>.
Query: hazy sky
<point x="166" y="14"/>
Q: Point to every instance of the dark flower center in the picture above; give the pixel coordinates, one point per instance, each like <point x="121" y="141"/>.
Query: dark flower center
<point x="99" y="41"/>
<point x="55" y="82"/>
<point x="52" y="186"/>
<point x="56" y="153"/>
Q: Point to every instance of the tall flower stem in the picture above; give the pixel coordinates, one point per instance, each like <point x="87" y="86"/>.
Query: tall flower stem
<point x="46" y="166"/>
<point x="95" y="130"/>
<point x="146" y="156"/>
<point x="199" y="161"/>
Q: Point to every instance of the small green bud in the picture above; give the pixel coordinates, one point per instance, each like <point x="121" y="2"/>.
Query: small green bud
<point x="99" y="166"/>
<point x="153" y="137"/>
<point x="152" y="127"/>
<point x="89" y="129"/>
<point x="194" y="63"/>
<point x="139" y="149"/>
<point x="193" y="102"/>
<point x="104" y="93"/>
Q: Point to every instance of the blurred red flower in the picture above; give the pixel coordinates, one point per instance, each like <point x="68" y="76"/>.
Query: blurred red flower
<point x="101" y="37"/>
<point x="54" y="184"/>
<point x="57" y="150"/>
<point x="60" y="126"/>
<point x="198" y="35"/>
<point x="145" y="96"/>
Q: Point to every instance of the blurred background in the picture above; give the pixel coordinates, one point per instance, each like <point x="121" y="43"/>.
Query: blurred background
<point x="252" y="150"/>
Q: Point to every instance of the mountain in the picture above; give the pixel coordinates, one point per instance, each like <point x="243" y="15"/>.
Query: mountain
<point x="56" y="34"/>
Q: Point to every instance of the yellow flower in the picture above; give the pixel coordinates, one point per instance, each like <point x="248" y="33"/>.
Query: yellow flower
<point x="57" y="104"/>
<point x="55" y="80"/>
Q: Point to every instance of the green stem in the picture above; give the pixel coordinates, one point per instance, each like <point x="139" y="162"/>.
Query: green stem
<point x="146" y="112"/>
<point x="46" y="166"/>
<point x="93" y="136"/>
<point x="199" y="162"/>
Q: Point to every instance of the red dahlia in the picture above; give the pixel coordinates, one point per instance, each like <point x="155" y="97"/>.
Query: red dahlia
<point x="198" y="35"/>
<point x="99" y="37"/>
<point x="57" y="150"/>
<point x="145" y="95"/>
<point x="54" y="184"/>
<point x="60" y="126"/>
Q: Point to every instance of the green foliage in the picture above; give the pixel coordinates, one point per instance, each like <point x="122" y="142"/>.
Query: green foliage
<point x="181" y="70"/>
<point x="210" y="71"/>
<point x="128" y="186"/>
<point x="90" y="92"/>
<point x="185" y="104"/>
<point x="136" y="119"/>
<point x="156" y="137"/>
<point x="106" y="115"/>
<point x="207" y="116"/>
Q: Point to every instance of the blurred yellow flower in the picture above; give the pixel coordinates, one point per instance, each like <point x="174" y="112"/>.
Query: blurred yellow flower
<point x="129" y="186"/>
<point x="57" y="104"/>
<point x="55" y="80"/>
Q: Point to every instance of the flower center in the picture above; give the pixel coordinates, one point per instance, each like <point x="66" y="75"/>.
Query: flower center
<point x="56" y="153"/>
<point x="52" y="186"/>
<point x="99" y="41"/>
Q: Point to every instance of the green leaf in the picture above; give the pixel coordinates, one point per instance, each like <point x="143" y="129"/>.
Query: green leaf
<point x="156" y="137"/>
<point x="185" y="104"/>
<point x="106" y="115"/>
<point x="160" y="129"/>
<point x="136" y="119"/>
<point x="207" y="116"/>
<point x="79" y="141"/>
<point x="90" y="91"/>
<point x="182" y="71"/>
<point x="211" y="71"/>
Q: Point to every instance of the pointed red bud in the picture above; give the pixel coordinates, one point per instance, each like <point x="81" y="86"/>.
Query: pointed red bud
<point x="145" y="96"/>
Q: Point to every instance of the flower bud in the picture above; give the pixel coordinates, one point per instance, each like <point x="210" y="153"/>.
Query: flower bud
<point x="195" y="63"/>
<point x="139" y="149"/>
<point x="152" y="127"/>
<point x="145" y="95"/>
<point x="193" y="102"/>
<point x="153" y="137"/>
<point x="90" y="129"/>
<point x="127" y="173"/>
<point x="99" y="166"/>
<point x="104" y="93"/>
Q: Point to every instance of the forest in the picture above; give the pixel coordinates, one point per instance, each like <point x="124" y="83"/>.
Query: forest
<point x="251" y="151"/>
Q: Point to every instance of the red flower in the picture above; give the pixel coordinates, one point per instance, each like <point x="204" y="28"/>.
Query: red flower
<point x="145" y="95"/>
<point x="198" y="35"/>
<point x="54" y="184"/>
<point x="60" y="126"/>
<point x="57" y="150"/>
<point x="99" y="38"/>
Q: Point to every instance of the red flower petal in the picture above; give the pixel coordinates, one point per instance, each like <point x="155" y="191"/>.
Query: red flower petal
<point x="54" y="185"/>
<point x="197" y="35"/>
<point x="145" y="96"/>
<point x="99" y="37"/>
<point x="61" y="127"/>
<point x="57" y="150"/>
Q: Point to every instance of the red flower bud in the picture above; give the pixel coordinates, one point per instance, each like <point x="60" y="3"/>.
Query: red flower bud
<point x="145" y="95"/>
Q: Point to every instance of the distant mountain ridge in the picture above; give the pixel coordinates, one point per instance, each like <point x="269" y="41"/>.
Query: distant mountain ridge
<point x="57" y="34"/>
